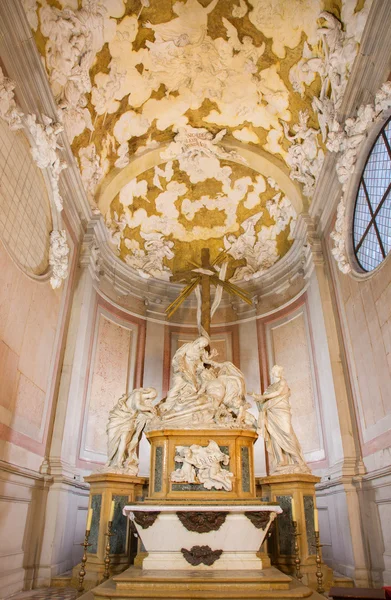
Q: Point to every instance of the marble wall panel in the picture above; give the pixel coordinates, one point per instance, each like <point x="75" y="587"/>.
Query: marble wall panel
<point x="365" y="311"/>
<point x="111" y="375"/>
<point x="289" y="346"/>
<point x="29" y="317"/>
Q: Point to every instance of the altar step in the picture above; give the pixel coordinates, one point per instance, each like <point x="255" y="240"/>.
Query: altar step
<point x="341" y="581"/>
<point x="236" y="585"/>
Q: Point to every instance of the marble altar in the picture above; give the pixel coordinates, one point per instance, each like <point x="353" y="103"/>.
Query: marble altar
<point x="202" y="536"/>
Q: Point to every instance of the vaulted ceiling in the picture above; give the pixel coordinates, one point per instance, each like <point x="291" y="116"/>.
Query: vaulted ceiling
<point x="190" y="92"/>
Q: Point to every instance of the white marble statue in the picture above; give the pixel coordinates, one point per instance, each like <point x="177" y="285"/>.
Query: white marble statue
<point x="275" y="425"/>
<point x="126" y="422"/>
<point x="204" y="393"/>
<point x="187" y="359"/>
<point x="203" y="465"/>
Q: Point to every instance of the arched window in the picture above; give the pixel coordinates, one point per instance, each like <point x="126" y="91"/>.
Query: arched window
<point x="372" y="211"/>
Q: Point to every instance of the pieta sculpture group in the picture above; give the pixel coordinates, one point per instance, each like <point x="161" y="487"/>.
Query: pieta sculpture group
<point x="205" y="394"/>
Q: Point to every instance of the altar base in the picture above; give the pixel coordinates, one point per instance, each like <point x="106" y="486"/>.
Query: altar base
<point x="300" y="488"/>
<point x="266" y="583"/>
<point x="104" y="488"/>
<point x="202" y="537"/>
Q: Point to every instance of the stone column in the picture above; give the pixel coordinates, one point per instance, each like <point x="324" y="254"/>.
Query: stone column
<point x="346" y="465"/>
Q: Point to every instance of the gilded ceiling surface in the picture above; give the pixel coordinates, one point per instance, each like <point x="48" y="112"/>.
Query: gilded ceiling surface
<point x="197" y="80"/>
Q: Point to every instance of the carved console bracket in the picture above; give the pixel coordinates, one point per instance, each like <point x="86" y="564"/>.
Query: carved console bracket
<point x="201" y="554"/>
<point x="146" y="518"/>
<point x="202" y="522"/>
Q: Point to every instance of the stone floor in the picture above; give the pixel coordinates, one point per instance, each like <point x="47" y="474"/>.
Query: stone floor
<point x="47" y="594"/>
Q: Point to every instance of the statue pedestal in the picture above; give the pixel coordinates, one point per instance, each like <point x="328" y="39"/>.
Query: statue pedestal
<point x="104" y="488"/>
<point x="301" y="487"/>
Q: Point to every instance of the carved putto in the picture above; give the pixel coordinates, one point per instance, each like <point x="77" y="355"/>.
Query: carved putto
<point x="58" y="257"/>
<point x="45" y="150"/>
<point x="167" y="77"/>
<point x="203" y="465"/>
<point x="305" y="157"/>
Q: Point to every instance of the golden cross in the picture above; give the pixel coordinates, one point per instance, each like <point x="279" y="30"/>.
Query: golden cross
<point x="204" y="275"/>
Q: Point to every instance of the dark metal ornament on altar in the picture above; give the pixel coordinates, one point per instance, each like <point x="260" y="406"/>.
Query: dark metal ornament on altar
<point x="259" y="519"/>
<point x="146" y="518"/>
<point x="201" y="522"/>
<point x="201" y="554"/>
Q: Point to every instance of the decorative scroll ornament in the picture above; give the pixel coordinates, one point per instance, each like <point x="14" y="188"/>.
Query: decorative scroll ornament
<point x="9" y="111"/>
<point x="146" y="518"/>
<point x="260" y="519"/>
<point x="202" y="522"/>
<point x="58" y="257"/>
<point x="201" y="554"/>
<point x="45" y="153"/>
<point x="347" y="141"/>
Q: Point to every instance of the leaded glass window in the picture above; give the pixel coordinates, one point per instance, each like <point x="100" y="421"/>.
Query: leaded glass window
<point x="372" y="211"/>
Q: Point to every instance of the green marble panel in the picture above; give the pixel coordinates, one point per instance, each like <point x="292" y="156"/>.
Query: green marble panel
<point x="158" y="476"/>
<point x="245" y="460"/>
<point x="286" y="541"/>
<point x="309" y="523"/>
<point x="119" y="526"/>
<point x="96" y="505"/>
